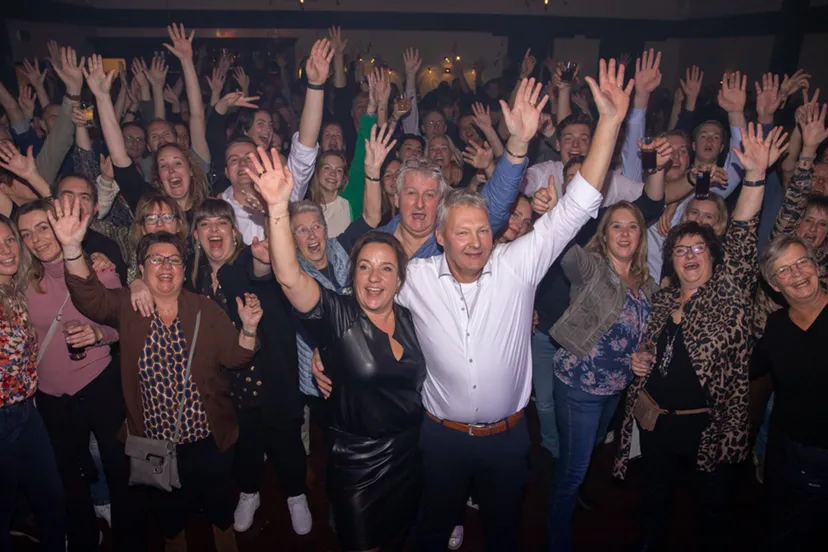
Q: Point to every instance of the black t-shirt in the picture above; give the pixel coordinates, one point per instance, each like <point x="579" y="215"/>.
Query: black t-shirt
<point x="796" y="361"/>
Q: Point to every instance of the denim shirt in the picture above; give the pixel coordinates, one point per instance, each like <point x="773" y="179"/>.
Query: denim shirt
<point x="606" y="369"/>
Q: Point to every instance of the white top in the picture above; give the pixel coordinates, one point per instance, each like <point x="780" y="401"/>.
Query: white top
<point x="477" y="345"/>
<point x="300" y="161"/>
<point x="617" y="187"/>
<point x="337" y="216"/>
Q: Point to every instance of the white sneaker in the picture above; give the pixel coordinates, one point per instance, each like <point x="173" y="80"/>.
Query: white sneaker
<point x="104" y="512"/>
<point x="456" y="539"/>
<point x="245" y="511"/>
<point x="300" y="516"/>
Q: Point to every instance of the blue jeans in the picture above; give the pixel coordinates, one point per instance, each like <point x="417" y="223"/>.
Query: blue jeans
<point x="543" y="380"/>
<point x="581" y="419"/>
<point x="27" y="463"/>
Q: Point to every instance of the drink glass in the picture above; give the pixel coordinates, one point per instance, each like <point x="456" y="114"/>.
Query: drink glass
<point x="75" y="353"/>
<point x="648" y="155"/>
<point x="703" y="183"/>
<point x="568" y="71"/>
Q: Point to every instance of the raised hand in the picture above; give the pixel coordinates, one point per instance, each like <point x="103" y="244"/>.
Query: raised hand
<point x="733" y="93"/>
<point x="271" y="179"/>
<point x="338" y="44"/>
<point x="26" y="100"/>
<point x="478" y="156"/>
<point x="318" y="65"/>
<point x="647" y="74"/>
<point x="69" y="222"/>
<point x="522" y="119"/>
<point x="664" y="152"/>
<point x="482" y="116"/>
<point x="625" y="58"/>
<point x="813" y="124"/>
<point x="546" y="125"/>
<point x="170" y="96"/>
<point x="139" y="72"/>
<point x="237" y="99"/>
<point x="768" y="97"/>
<point x="691" y="85"/>
<point x="216" y="83"/>
<point x="798" y="81"/>
<point x="158" y="72"/>
<point x="755" y="152"/>
<point x="580" y="100"/>
<point x="182" y="45"/>
<point x="527" y="64"/>
<point x="98" y="81"/>
<point x="70" y="71"/>
<point x="22" y="166"/>
<point x="242" y="78"/>
<point x="78" y="117"/>
<point x="260" y="250"/>
<point x="778" y="144"/>
<point x="33" y="72"/>
<point x="412" y="61"/>
<point x="250" y="311"/>
<point x="611" y="97"/>
<point x="54" y="53"/>
<point x="377" y="148"/>
<point x="665" y="221"/>
<point x="545" y="199"/>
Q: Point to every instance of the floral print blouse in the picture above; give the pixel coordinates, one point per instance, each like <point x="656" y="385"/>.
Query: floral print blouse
<point x="606" y="370"/>
<point x="18" y="355"/>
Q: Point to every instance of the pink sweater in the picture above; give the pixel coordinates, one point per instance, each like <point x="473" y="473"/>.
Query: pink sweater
<point x="57" y="373"/>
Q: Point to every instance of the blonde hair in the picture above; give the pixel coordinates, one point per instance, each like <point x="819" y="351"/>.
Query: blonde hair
<point x="12" y="295"/>
<point x="33" y="271"/>
<point x="315" y="192"/>
<point x="199" y="185"/>
<point x="639" y="270"/>
<point x="720" y="226"/>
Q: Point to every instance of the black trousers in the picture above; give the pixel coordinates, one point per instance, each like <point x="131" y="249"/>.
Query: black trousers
<point x="97" y="408"/>
<point x="666" y="453"/>
<point x="797" y="478"/>
<point x="284" y="448"/>
<point x="496" y="466"/>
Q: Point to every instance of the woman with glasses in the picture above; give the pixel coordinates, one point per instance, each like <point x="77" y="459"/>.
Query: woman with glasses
<point x="690" y="396"/>
<point x="792" y="353"/>
<point x="154" y="356"/>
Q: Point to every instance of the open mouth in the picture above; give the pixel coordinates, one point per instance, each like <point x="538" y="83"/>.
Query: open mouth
<point x="373" y="291"/>
<point x="9" y="262"/>
<point x="418" y="217"/>
<point x="810" y="238"/>
<point x="216" y="242"/>
<point x="165" y="277"/>
<point x="691" y="266"/>
<point x="624" y="244"/>
<point x="314" y="247"/>
<point x="800" y="283"/>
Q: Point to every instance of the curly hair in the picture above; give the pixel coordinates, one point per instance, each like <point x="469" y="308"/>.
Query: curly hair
<point x="693" y="228"/>
<point x="12" y="294"/>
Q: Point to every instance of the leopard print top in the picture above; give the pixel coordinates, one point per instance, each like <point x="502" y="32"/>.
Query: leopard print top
<point x="717" y="332"/>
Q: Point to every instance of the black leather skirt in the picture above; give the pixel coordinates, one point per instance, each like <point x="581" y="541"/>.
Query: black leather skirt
<point x="374" y="487"/>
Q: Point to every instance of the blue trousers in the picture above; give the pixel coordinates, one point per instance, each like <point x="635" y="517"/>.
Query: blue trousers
<point x="27" y="463"/>
<point x="543" y="380"/>
<point x="582" y="418"/>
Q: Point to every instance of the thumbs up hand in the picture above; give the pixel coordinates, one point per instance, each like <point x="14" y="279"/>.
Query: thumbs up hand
<point x="545" y="199"/>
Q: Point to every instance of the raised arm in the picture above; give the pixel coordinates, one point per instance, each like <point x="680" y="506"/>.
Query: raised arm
<point x="757" y="154"/>
<point x="157" y="76"/>
<point x="99" y="84"/>
<point x="339" y="45"/>
<point x="483" y="121"/>
<point x="11" y="106"/>
<point x="275" y="183"/>
<point x="24" y="167"/>
<point x="37" y="78"/>
<point x="647" y="79"/>
<point x="316" y="70"/>
<point x="376" y="150"/>
<point x="412" y="62"/>
<point x="182" y="48"/>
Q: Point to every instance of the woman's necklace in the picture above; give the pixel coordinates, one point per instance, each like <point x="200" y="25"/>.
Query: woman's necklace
<point x="669" y="349"/>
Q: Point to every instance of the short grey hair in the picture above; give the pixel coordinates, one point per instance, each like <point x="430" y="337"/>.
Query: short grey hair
<point x="776" y="248"/>
<point x="305" y="206"/>
<point x="460" y="198"/>
<point x="424" y="168"/>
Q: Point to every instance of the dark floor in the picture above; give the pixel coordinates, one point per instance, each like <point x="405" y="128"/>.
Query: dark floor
<point x="612" y="526"/>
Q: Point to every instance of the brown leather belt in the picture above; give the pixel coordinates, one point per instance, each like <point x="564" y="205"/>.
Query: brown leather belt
<point x="480" y="430"/>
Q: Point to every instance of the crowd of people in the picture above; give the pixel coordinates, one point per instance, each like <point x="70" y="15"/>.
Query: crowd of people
<point x="199" y="268"/>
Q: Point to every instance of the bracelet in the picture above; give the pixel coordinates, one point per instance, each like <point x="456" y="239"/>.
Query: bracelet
<point x="73" y="97"/>
<point x="807" y="157"/>
<point x="312" y="86"/>
<point x="73" y="258"/>
<point x="506" y="149"/>
<point x="371" y="178"/>
<point x="248" y="334"/>
<point x="754" y="183"/>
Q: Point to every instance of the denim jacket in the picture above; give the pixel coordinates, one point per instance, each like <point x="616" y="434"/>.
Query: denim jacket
<point x="597" y="298"/>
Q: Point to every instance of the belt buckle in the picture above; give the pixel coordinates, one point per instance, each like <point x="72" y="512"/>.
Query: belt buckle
<point x="472" y="426"/>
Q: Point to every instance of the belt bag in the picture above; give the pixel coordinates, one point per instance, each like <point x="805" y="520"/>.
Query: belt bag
<point x="646" y="411"/>
<point x="153" y="462"/>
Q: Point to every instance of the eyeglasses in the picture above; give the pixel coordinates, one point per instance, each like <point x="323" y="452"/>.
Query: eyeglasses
<point x="157" y="220"/>
<point x="304" y="231"/>
<point x="786" y="272"/>
<point x="433" y="124"/>
<point x="172" y="260"/>
<point x="134" y="140"/>
<point x="682" y="250"/>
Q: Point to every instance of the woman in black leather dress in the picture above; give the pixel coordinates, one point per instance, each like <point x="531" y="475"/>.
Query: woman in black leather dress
<point x="369" y="344"/>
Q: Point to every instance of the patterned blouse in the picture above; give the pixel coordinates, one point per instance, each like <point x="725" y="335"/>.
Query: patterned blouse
<point x="161" y="369"/>
<point x="18" y="356"/>
<point x="606" y="370"/>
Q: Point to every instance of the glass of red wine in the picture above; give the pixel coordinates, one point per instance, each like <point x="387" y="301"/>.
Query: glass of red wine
<point x="702" y="182"/>
<point x="649" y="161"/>
<point x="75" y="353"/>
<point x="568" y="71"/>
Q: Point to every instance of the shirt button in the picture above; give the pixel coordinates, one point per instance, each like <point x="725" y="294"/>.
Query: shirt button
<point x="470" y="360"/>
<point x="462" y="308"/>
<point x="468" y="334"/>
<point x="477" y="410"/>
<point x="474" y="387"/>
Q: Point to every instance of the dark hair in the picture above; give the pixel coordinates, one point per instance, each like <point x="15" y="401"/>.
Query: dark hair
<point x="819" y="202"/>
<point x="429" y="112"/>
<point x="575" y="119"/>
<point x="247" y="116"/>
<point x="693" y="228"/>
<point x="161" y="237"/>
<point x="135" y="124"/>
<point x="681" y="134"/>
<point x="375" y="236"/>
<point x="241" y="139"/>
<point x="415" y="137"/>
<point x="93" y="189"/>
<point x="574" y="160"/>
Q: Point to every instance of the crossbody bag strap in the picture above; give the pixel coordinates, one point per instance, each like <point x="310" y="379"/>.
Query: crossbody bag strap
<point x="186" y="380"/>
<point x="52" y="330"/>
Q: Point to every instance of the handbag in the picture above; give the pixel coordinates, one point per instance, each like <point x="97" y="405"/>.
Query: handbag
<point x="646" y="411"/>
<point x="153" y="462"/>
<point x="51" y="331"/>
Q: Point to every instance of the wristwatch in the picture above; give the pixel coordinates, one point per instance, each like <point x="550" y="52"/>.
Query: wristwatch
<point x="73" y="97"/>
<point x="754" y="183"/>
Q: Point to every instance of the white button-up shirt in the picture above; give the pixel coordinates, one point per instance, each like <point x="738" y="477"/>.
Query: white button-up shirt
<point x="476" y="337"/>
<point x="617" y="187"/>
<point x="300" y="161"/>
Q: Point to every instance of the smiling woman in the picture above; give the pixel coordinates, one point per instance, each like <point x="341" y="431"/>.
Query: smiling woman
<point x="176" y="175"/>
<point x="329" y="179"/>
